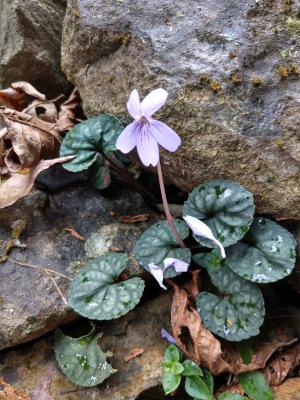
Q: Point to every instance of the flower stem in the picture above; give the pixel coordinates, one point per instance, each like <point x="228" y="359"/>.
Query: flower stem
<point x="166" y="206"/>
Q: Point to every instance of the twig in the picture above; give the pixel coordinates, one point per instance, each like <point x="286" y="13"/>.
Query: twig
<point x="22" y="264"/>
<point x="56" y="285"/>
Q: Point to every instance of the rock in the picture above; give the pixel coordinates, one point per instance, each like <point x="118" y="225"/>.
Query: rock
<point x="289" y="390"/>
<point x="30" y="305"/>
<point x="27" y="368"/>
<point x="232" y="72"/>
<point x="30" y="37"/>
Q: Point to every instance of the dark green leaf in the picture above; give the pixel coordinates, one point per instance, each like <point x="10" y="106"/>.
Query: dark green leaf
<point x="89" y="138"/>
<point x="99" y="173"/>
<point x="196" y="388"/>
<point x="208" y="379"/>
<point x="239" y="313"/>
<point x="191" y="368"/>
<point x="245" y="350"/>
<point x="225" y="206"/>
<point x="82" y="360"/>
<point x="270" y="256"/>
<point x="158" y="243"/>
<point x="95" y="294"/>
<point x="172" y="353"/>
<point x="170" y="382"/>
<point x="256" y="386"/>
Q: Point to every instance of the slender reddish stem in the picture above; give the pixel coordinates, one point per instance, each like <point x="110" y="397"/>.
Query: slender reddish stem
<point x="166" y="206"/>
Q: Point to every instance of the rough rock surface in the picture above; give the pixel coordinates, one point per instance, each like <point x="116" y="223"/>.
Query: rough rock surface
<point x="30" y="36"/>
<point x="289" y="390"/>
<point x="232" y="71"/>
<point x="29" y="303"/>
<point x="28" y="367"/>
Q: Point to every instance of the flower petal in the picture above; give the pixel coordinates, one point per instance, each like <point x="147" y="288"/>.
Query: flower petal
<point x="134" y="105"/>
<point x="164" y="135"/>
<point x="199" y="228"/>
<point x="165" y="335"/>
<point x="128" y="138"/>
<point x="157" y="273"/>
<point x="153" y="102"/>
<point x="147" y="147"/>
<point x="180" y="266"/>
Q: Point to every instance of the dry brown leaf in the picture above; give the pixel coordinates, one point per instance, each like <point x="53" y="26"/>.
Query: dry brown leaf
<point x="66" y="115"/>
<point x="133" y="354"/>
<point x="74" y="233"/>
<point x="15" y="96"/>
<point x="133" y="219"/>
<point x="45" y="110"/>
<point x="234" y="388"/>
<point x="20" y="183"/>
<point x="282" y="365"/>
<point x="42" y="392"/>
<point x="7" y="392"/>
<point x="289" y="390"/>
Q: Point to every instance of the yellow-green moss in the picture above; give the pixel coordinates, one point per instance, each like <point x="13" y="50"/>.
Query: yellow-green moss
<point x="292" y="25"/>
<point x="256" y="81"/>
<point x="236" y="79"/>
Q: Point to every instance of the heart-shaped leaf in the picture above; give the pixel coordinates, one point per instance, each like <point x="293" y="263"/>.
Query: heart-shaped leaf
<point x="81" y="359"/>
<point x="255" y="385"/>
<point x="225" y="206"/>
<point x="239" y="313"/>
<point x="95" y="294"/>
<point x="270" y="256"/>
<point x="89" y="138"/>
<point x="158" y="243"/>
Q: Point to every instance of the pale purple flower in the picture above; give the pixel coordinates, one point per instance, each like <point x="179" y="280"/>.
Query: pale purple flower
<point x="158" y="272"/>
<point x="165" y="335"/>
<point x="199" y="228"/>
<point x="146" y="133"/>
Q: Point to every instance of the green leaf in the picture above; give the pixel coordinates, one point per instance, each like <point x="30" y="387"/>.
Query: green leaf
<point x="99" y="173"/>
<point x="225" y="206"/>
<point x="89" y="138"/>
<point x="158" y="243"/>
<point x="245" y="350"/>
<point x="270" y="256"/>
<point x="239" y="313"/>
<point x="231" y="396"/>
<point x="191" y="368"/>
<point x="81" y="359"/>
<point x="172" y="353"/>
<point x="256" y="386"/>
<point x="208" y="379"/>
<point x="95" y="294"/>
<point x="196" y="388"/>
<point x="170" y="382"/>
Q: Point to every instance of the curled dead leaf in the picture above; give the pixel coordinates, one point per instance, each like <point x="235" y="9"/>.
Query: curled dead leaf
<point x="282" y="365"/>
<point x="74" y="233"/>
<point x="15" y="96"/>
<point x="45" y="110"/>
<point x="8" y="392"/>
<point x="20" y="183"/>
<point x="67" y="115"/>
<point x="133" y="219"/>
<point x="133" y="354"/>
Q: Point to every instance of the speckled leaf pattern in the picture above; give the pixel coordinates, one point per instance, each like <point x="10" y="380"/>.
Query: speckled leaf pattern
<point x="95" y="294"/>
<point x="239" y="313"/>
<point x="81" y="359"/>
<point x="87" y="139"/>
<point x="225" y="206"/>
<point x="158" y="243"/>
<point x="270" y="256"/>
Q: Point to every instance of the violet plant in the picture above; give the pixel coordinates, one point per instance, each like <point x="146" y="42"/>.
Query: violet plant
<point x="238" y="251"/>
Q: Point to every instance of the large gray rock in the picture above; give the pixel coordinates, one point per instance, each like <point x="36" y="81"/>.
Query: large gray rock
<point x="231" y="68"/>
<point x="28" y="368"/>
<point x="30" y="36"/>
<point x="30" y="305"/>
